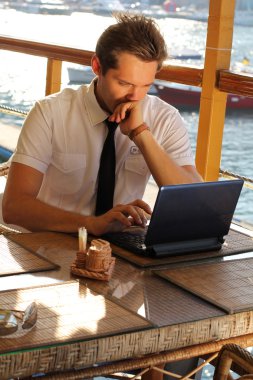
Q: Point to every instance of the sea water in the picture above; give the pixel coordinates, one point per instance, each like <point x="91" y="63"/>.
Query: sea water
<point x="22" y="77"/>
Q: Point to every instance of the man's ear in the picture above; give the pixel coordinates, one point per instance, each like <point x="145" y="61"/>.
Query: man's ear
<point x="95" y="64"/>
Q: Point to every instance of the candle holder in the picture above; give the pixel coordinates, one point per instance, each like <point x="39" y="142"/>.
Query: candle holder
<point x="96" y="262"/>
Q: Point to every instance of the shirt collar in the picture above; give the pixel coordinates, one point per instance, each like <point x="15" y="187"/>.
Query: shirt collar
<point x="97" y="114"/>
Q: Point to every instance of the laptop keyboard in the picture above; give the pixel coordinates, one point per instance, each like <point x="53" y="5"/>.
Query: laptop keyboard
<point x="130" y="241"/>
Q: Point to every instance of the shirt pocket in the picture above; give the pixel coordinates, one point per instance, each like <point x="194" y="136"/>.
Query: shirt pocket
<point x="135" y="177"/>
<point x="66" y="172"/>
<point x="137" y="165"/>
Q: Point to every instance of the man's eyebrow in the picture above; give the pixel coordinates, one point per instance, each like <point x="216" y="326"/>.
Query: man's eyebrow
<point x="126" y="82"/>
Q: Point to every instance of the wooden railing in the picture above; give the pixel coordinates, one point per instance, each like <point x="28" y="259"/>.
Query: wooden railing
<point x="240" y="84"/>
<point x="227" y="81"/>
<point x="215" y="78"/>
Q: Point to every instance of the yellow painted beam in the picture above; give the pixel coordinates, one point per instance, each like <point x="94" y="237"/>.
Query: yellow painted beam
<point x="213" y="101"/>
<point x="53" y="81"/>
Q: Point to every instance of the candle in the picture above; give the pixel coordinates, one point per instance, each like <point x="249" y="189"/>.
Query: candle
<point x="82" y="237"/>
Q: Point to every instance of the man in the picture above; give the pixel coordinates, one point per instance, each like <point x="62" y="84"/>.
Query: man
<point x="53" y="179"/>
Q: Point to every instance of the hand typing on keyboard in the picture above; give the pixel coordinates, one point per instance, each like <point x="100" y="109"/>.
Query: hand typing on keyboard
<point x="119" y="218"/>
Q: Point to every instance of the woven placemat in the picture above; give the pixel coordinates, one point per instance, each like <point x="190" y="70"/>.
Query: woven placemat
<point x="16" y="259"/>
<point x="236" y="242"/>
<point x="67" y="312"/>
<point x="47" y="240"/>
<point x="226" y="284"/>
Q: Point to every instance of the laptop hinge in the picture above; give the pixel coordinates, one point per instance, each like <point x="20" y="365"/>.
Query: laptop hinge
<point x="198" y="245"/>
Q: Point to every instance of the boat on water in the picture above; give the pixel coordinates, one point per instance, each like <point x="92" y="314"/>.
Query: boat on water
<point x="183" y="96"/>
<point x="179" y="95"/>
<point x="84" y="74"/>
<point x="243" y="14"/>
<point x="53" y="7"/>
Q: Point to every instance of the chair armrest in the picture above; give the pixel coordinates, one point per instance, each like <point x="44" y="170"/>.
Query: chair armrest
<point x="4" y="168"/>
<point x="233" y="357"/>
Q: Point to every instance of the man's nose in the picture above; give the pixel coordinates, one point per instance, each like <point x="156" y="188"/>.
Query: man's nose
<point x="135" y="94"/>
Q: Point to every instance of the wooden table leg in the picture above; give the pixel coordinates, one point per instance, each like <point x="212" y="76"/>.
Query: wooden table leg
<point x="152" y="374"/>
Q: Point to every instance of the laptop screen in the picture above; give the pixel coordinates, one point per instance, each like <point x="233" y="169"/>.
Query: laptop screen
<point x="193" y="211"/>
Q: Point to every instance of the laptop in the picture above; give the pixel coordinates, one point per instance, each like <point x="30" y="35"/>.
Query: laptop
<point x="186" y="218"/>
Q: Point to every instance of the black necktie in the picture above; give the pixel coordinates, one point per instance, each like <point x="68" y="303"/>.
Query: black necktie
<point x="106" y="173"/>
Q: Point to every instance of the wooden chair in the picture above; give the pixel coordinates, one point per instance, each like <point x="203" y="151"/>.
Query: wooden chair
<point x="4" y="168"/>
<point x="233" y="357"/>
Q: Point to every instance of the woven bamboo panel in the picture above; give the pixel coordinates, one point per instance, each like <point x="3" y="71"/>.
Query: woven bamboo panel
<point x="67" y="312"/>
<point x="48" y="240"/>
<point x="132" y="345"/>
<point x="236" y="242"/>
<point x="15" y="259"/>
<point x="161" y="302"/>
<point x="226" y="284"/>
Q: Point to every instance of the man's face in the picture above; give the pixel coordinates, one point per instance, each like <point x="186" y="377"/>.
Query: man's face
<point x="129" y="82"/>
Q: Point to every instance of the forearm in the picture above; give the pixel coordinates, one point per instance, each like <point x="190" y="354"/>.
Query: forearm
<point x="163" y="168"/>
<point x="35" y="215"/>
<point x="38" y="216"/>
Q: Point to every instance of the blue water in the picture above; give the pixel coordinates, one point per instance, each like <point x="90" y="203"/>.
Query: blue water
<point x="236" y="153"/>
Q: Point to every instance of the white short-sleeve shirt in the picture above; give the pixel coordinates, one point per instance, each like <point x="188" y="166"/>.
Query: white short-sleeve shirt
<point x="63" y="137"/>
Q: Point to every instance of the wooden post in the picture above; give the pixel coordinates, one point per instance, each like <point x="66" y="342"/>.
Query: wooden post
<point x="213" y="101"/>
<point x="53" y="82"/>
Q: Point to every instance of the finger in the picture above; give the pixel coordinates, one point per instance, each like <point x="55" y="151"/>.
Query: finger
<point x="143" y="217"/>
<point x="143" y="205"/>
<point x="116" y="117"/>
<point x="122" y="115"/>
<point x="135" y="214"/>
<point x="120" y="112"/>
<point x="120" y="215"/>
<point x="139" y="211"/>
